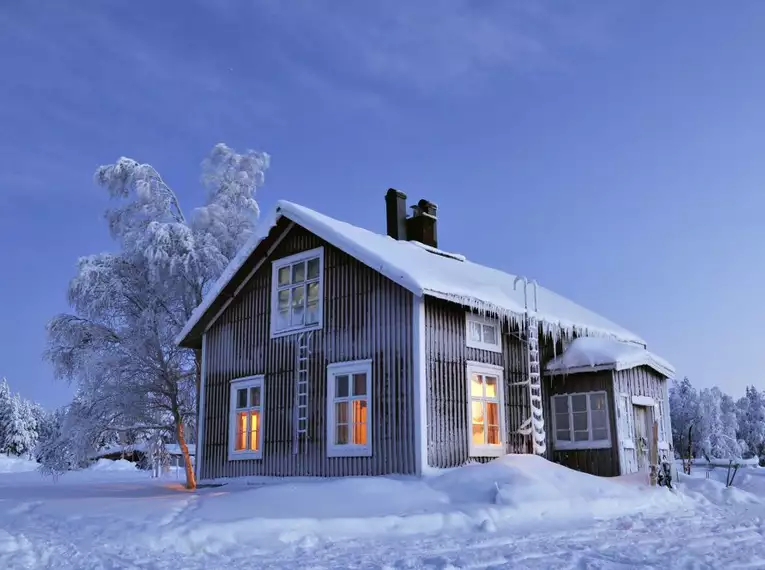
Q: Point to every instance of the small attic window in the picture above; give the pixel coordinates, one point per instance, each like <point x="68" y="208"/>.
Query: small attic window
<point x="483" y="333"/>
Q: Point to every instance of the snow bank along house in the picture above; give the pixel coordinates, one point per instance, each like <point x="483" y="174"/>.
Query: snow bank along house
<point x="330" y="350"/>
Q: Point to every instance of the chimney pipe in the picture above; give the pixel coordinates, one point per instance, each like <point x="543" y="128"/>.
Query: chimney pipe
<point x="423" y="225"/>
<point x="395" y="213"/>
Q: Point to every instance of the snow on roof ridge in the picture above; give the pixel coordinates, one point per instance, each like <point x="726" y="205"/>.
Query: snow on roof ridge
<point x="588" y="354"/>
<point x="412" y="266"/>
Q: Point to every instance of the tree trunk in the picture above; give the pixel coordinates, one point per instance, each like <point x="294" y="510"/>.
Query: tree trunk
<point x="191" y="481"/>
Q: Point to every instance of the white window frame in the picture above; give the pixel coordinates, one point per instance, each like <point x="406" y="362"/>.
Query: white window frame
<point x="340" y="369"/>
<point x="278" y="264"/>
<point x="590" y="443"/>
<point x="245" y="384"/>
<point x="487" y="321"/>
<point x="486" y="450"/>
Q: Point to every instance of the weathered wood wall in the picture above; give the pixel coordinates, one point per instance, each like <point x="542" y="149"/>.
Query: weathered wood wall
<point x="645" y="381"/>
<point x="446" y="358"/>
<point x="604" y="462"/>
<point x="365" y="316"/>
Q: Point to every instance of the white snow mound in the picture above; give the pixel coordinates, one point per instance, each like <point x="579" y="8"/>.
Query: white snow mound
<point x="509" y="491"/>
<point x="601" y="353"/>
<point x="11" y="464"/>
<point x="113" y="465"/>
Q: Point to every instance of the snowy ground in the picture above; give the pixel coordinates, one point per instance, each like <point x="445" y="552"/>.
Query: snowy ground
<point x="518" y="512"/>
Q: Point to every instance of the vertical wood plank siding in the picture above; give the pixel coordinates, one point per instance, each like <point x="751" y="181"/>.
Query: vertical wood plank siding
<point x="365" y="316"/>
<point x="645" y="381"/>
<point x="603" y="462"/>
<point x="446" y="357"/>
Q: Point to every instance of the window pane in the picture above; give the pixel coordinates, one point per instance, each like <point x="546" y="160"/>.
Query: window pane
<point x="599" y="434"/>
<point x="341" y="434"/>
<point x="284" y="275"/>
<point x="312" y="313"/>
<point x="581" y="436"/>
<point x="298" y="305"/>
<point x="254" y="428"/>
<point x="360" y="422"/>
<point x="255" y="396"/>
<point x="313" y="268"/>
<point x="341" y="386"/>
<point x="478" y="434"/>
<point x="493" y="435"/>
<point x="341" y="413"/>
<point x="477" y="412"/>
<point x="241" y="398"/>
<point x="360" y="434"/>
<point x="475" y="331"/>
<point x="580" y="421"/>
<point x="302" y="400"/>
<point x="561" y="404"/>
<point x="490" y="334"/>
<point x="599" y="419"/>
<point x="492" y="413"/>
<point x="298" y="272"/>
<point x="302" y="424"/>
<point x="313" y="292"/>
<point x="491" y="386"/>
<point x="302" y="388"/>
<point x="240" y="439"/>
<point x="359" y="411"/>
<point x="359" y="384"/>
<point x="283" y="315"/>
<point x="476" y="385"/>
<point x="579" y="403"/>
<point x="597" y="401"/>
<point x="563" y="435"/>
<point x="562" y="421"/>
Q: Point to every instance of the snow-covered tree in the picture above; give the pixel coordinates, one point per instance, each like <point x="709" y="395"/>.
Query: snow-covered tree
<point x="6" y="401"/>
<point x="54" y="449"/>
<point x="717" y="425"/>
<point x="128" y="306"/>
<point x="19" y="428"/>
<point x="751" y="420"/>
<point x="684" y="412"/>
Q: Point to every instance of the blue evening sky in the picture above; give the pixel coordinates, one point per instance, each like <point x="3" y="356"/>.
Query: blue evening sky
<point x="614" y="151"/>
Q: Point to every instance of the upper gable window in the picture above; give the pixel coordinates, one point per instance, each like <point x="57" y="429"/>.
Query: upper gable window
<point x="483" y="332"/>
<point x="296" y="292"/>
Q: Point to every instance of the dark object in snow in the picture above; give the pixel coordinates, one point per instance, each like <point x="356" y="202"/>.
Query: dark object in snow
<point x="665" y="475"/>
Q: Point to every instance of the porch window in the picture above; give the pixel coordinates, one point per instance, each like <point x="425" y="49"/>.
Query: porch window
<point x="483" y="333"/>
<point x="486" y="410"/>
<point x="580" y="421"/>
<point x="349" y="407"/>
<point x="246" y="419"/>
<point x="296" y="293"/>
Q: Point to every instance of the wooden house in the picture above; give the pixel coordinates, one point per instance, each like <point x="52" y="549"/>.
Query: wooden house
<point x="330" y="350"/>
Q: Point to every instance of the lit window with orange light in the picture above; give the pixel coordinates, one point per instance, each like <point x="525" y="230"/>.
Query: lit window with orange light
<point x="349" y="401"/>
<point x="246" y="423"/>
<point x="486" y="410"/>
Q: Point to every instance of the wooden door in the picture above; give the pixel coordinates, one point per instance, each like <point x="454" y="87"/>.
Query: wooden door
<point x="642" y="437"/>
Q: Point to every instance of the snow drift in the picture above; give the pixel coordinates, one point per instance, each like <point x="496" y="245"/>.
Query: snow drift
<point x="510" y="491"/>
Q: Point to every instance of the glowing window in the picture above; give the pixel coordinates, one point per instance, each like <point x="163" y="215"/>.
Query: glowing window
<point x="246" y="419"/>
<point x="349" y="403"/>
<point x="486" y="412"/>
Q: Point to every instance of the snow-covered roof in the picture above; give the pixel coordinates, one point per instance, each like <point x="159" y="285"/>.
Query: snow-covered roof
<point x="426" y="272"/>
<point x="587" y="354"/>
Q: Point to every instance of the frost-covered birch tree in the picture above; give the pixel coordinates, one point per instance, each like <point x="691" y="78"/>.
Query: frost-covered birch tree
<point x="717" y="425"/>
<point x="684" y="411"/>
<point x="751" y="419"/>
<point x="128" y="306"/>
